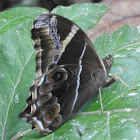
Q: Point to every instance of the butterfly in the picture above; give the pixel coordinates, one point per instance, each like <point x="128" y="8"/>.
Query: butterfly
<point x="69" y="72"/>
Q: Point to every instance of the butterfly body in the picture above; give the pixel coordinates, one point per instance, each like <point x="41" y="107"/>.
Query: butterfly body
<point x="69" y="72"/>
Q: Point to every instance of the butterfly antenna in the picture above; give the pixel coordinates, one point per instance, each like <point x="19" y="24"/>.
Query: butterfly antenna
<point x="107" y="27"/>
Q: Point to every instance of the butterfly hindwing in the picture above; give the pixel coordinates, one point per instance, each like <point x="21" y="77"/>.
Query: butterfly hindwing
<point x="61" y="99"/>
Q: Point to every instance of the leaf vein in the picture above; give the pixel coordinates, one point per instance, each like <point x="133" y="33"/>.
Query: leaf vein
<point x="12" y="95"/>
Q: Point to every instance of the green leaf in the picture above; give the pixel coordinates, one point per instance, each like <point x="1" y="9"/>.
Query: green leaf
<point x="17" y="66"/>
<point x="121" y="116"/>
<point x="84" y="15"/>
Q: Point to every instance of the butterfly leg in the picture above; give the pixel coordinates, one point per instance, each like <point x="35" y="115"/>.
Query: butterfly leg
<point x="108" y="83"/>
<point x="112" y="80"/>
<point x="101" y="100"/>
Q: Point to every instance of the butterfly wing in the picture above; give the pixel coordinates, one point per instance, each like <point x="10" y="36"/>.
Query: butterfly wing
<point x="59" y="41"/>
<point x="69" y="71"/>
<point x="55" y="96"/>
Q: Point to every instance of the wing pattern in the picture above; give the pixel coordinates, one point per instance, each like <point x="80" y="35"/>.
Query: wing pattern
<point x="69" y="72"/>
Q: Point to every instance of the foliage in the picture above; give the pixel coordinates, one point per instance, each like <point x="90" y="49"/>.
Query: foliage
<point x="121" y="116"/>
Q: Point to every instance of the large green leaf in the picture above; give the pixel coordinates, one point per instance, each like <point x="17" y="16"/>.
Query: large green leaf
<point x="84" y="15"/>
<point x="121" y="116"/>
<point x="17" y="64"/>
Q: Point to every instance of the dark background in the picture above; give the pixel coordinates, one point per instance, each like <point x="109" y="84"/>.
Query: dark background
<point x="48" y="4"/>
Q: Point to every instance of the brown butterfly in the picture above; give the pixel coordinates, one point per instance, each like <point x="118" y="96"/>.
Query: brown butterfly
<point x="69" y="71"/>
